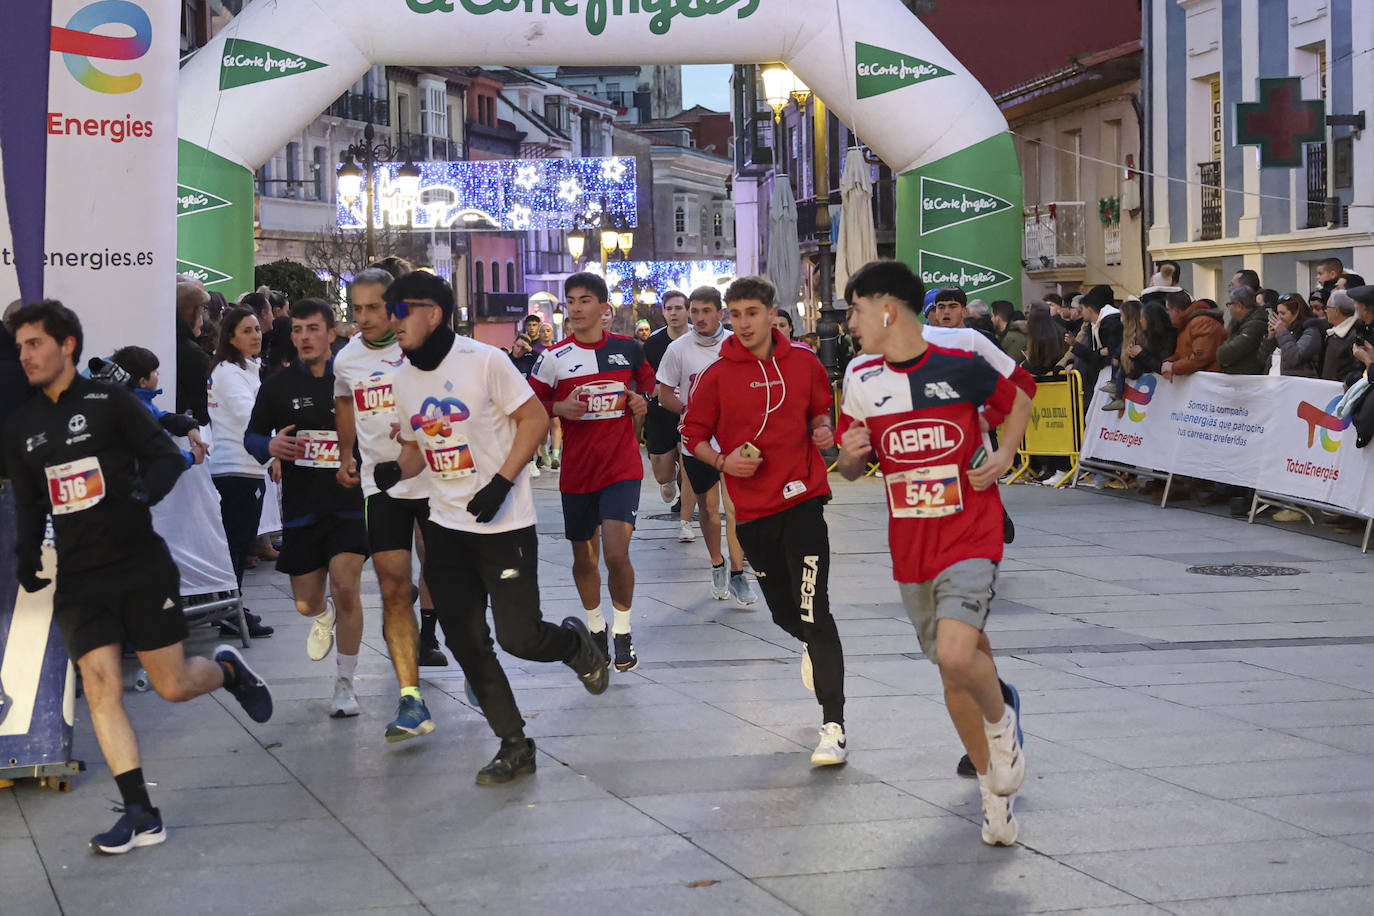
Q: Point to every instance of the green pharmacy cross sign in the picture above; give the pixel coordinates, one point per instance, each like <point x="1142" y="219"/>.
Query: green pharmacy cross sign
<point x="1280" y="122"/>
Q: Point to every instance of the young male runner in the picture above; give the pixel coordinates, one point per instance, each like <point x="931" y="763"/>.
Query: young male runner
<point x="471" y="423"/>
<point x="94" y="458"/>
<point x="769" y="394"/>
<point x="365" y="410"/>
<point x="323" y="536"/>
<point x="916" y="406"/>
<point x="683" y="363"/>
<point x="586" y="382"/>
<point x="661" y="436"/>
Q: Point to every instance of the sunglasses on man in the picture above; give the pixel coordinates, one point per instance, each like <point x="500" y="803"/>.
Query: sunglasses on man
<point x="401" y="310"/>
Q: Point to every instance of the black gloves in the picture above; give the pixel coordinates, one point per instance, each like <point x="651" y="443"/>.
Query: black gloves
<point x="386" y="475"/>
<point x="27" y="573"/>
<point x="487" y="501"/>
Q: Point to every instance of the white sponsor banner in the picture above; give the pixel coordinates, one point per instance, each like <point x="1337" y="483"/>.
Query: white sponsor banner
<point x="110" y="245"/>
<point x="1276" y="434"/>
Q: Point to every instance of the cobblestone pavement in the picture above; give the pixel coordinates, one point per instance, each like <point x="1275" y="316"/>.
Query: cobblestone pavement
<point x="1196" y="745"/>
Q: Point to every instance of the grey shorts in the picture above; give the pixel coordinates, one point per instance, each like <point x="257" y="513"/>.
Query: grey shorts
<point x="961" y="592"/>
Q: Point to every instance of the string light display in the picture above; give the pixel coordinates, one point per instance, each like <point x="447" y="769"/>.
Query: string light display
<point x="633" y="281"/>
<point x="502" y="195"/>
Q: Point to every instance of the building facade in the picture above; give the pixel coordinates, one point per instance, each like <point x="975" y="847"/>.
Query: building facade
<point x="1213" y="208"/>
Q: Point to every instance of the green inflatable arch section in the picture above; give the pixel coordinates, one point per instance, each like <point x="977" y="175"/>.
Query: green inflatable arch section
<point x="277" y="65"/>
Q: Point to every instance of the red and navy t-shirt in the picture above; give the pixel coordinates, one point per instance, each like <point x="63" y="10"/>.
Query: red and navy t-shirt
<point x="600" y="449"/>
<point x="923" y="420"/>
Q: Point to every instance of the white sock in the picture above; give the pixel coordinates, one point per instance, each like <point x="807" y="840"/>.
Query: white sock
<point x="621" y="626"/>
<point x="1000" y="723"/>
<point x="595" y="622"/>
<point x="348" y="665"/>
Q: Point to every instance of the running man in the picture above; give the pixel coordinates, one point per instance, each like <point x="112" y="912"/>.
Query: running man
<point x="94" y="458"/>
<point x="770" y="398"/>
<point x="365" y="408"/>
<point x="683" y="363"/>
<point x="324" y="540"/>
<point x="585" y="381"/>
<point x="916" y="406"/>
<point x="661" y="436"/>
<point x="470" y="424"/>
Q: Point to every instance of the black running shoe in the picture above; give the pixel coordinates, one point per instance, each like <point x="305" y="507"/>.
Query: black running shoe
<point x="137" y="826"/>
<point x="229" y="626"/>
<point x="677" y="506"/>
<point x="589" y="661"/>
<point x="625" y="658"/>
<point x="602" y="643"/>
<point x="430" y="655"/>
<point x="1008" y="528"/>
<point x="965" y="767"/>
<point x="247" y="688"/>
<point x="516" y="758"/>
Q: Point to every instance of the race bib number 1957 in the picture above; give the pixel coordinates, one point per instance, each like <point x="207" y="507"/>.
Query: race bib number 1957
<point x="605" y="400"/>
<point x="75" y="486"/>
<point x="321" y="449"/>
<point x="930" y="492"/>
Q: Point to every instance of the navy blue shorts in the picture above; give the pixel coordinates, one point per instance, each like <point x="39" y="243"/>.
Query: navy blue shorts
<point x="583" y="513"/>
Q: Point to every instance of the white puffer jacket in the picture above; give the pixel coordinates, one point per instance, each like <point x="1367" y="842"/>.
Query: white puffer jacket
<point x="233" y="390"/>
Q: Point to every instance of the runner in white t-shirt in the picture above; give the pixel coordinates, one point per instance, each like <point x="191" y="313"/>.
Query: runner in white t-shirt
<point x="365" y="410"/>
<point x="684" y="360"/>
<point x="470" y="423"/>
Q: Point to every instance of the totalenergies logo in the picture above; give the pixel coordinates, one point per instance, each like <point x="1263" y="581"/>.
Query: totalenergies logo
<point x="78" y="44"/>
<point x="437" y="417"/>
<point x="1327" y="421"/>
<point x="1141" y="394"/>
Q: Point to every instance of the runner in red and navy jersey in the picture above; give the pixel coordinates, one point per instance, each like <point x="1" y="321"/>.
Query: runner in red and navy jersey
<point x="595" y="382"/>
<point x="915" y="406"/>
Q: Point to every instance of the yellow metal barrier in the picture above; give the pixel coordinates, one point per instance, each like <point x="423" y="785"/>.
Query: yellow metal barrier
<point x="1056" y="425"/>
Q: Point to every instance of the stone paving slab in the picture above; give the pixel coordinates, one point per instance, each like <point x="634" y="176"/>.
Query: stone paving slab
<point x="1196" y="745"/>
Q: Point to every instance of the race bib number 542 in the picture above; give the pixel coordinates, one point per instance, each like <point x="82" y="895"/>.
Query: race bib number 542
<point x="930" y="492"/>
<point x="75" y="486"/>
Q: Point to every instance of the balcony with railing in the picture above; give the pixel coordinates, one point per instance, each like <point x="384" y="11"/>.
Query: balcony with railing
<point x="423" y="148"/>
<point x="1209" y="174"/>
<point x="355" y="106"/>
<point x="1054" y="236"/>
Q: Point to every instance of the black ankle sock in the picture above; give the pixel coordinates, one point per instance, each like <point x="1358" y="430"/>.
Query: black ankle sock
<point x="132" y="789"/>
<point x="427" y="622"/>
<point x="718" y="565"/>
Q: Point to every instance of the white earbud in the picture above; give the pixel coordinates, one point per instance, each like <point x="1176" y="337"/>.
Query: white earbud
<point x="887" y="319"/>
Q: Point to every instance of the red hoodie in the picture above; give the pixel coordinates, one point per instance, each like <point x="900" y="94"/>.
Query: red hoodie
<point x="770" y="403"/>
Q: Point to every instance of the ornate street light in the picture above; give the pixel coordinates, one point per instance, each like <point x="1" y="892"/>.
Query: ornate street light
<point x="357" y="177"/>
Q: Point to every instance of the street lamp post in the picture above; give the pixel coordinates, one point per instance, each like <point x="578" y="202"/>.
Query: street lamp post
<point x="357" y="175"/>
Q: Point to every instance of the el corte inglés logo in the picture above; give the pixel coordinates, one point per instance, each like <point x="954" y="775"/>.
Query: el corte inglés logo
<point x="194" y="200"/>
<point x="246" y="62"/>
<point x="945" y="204"/>
<point x="207" y="275"/>
<point x="597" y="12"/>
<point x="879" y="70"/>
<point x="943" y="270"/>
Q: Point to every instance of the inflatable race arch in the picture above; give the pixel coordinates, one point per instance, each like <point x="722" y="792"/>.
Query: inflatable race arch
<point x="278" y="64"/>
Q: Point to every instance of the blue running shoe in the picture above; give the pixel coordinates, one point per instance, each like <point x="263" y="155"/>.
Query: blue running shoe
<point x="412" y="720"/>
<point x="472" y="697"/>
<point x="1012" y="698"/>
<point x="249" y="689"/>
<point x="137" y="826"/>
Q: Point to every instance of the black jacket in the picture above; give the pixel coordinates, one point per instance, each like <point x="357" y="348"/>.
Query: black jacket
<point x="294" y="397"/>
<point x="131" y="463"/>
<point x="1089" y="360"/>
<point x="1240" y="354"/>
<point x="193" y="369"/>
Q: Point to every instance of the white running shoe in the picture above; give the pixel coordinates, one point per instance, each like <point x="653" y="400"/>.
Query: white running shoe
<point x="831" y="751"/>
<point x="999" y="824"/>
<point x="668" y="491"/>
<point x="686" y="533"/>
<point x="1055" y="479"/>
<point x="742" y="591"/>
<point x="1007" y="763"/>
<point x="808" y="677"/>
<point x="321" y="637"/>
<point x="345" y="704"/>
<point x="534" y="468"/>
<point x="720" y="582"/>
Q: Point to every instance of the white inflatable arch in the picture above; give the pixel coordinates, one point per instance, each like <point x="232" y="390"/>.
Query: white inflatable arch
<point x="281" y="62"/>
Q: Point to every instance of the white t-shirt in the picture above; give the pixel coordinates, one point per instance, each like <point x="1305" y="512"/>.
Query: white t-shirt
<point x="685" y="359"/>
<point x="974" y="342"/>
<point x="460" y="414"/>
<point x="365" y="376"/>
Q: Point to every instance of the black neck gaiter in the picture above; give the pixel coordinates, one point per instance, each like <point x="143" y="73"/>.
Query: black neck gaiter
<point x="431" y="353"/>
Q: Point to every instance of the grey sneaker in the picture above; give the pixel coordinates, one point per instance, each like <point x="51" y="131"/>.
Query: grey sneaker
<point x="720" y="582"/>
<point x="742" y="591"/>
<point x="345" y="704"/>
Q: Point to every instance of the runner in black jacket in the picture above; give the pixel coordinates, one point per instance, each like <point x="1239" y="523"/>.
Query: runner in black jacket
<point x="92" y="456"/>
<point x="323" y="534"/>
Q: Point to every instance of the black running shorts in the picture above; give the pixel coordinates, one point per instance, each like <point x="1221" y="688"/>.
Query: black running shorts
<point x="700" y="475"/>
<point x="661" y="434"/>
<point x="307" y="548"/>
<point x="391" y="521"/>
<point x="136" y="602"/>
<point x="583" y="513"/>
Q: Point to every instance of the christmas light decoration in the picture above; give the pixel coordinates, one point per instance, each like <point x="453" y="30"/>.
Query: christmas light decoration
<point x="633" y="279"/>
<point x="510" y="195"/>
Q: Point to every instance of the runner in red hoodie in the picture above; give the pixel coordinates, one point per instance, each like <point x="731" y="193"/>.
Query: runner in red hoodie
<point x="767" y="403"/>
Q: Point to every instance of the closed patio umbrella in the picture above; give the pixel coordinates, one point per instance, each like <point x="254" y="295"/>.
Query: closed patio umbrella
<point x="857" y="244"/>
<point x="784" y="251"/>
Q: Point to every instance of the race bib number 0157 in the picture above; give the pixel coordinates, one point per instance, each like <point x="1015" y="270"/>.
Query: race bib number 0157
<point x="605" y="400"/>
<point x="75" y="486"/>
<point x="321" y="449"/>
<point x="930" y="492"/>
<point x="374" y="396"/>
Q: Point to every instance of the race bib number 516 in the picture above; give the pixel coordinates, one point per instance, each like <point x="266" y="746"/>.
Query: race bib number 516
<point x="75" y="486"/>
<point x="930" y="492"/>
